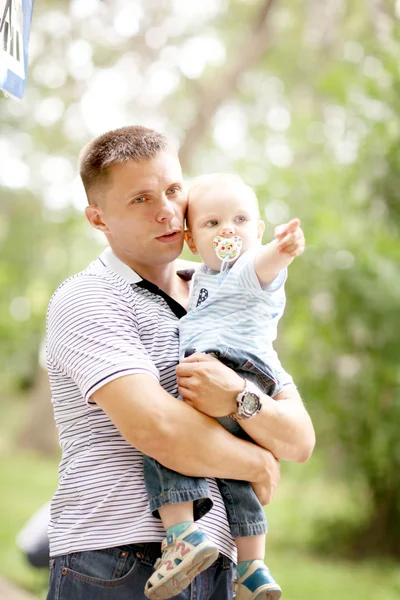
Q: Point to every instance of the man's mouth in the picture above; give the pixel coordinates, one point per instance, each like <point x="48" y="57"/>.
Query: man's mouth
<point x="170" y="236"/>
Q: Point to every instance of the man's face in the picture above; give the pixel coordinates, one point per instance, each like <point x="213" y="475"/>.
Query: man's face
<point x="224" y="211"/>
<point x="143" y="210"/>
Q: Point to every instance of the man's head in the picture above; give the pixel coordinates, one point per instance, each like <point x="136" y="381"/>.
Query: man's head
<point x="113" y="148"/>
<point x="221" y="205"/>
<point x="133" y="181"/>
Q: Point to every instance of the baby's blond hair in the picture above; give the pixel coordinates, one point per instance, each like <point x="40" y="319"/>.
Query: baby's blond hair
<point x="203" y="182"/>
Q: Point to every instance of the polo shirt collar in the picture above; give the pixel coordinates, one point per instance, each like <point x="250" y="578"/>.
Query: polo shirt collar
<point x="112" y="262"/>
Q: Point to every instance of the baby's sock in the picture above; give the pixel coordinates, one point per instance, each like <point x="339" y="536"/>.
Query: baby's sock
<point x="242" y="567"/>
<point x="178" y="528"/>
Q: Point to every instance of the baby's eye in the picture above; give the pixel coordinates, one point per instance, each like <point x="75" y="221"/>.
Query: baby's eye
<point x="211" y="223"/>
<point x="240" y="219"/>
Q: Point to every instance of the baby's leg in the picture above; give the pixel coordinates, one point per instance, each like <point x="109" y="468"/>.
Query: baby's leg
<point x="186" y="552"/>
<point x="250" y="548"/>
<point x="254" y="579"/>
<point x="174" y="514"/>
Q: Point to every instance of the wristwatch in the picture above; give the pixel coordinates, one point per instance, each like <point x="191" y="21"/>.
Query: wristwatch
<point x="248" y="402"/>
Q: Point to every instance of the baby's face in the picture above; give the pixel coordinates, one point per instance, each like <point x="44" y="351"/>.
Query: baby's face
<point x="225" y="211"/>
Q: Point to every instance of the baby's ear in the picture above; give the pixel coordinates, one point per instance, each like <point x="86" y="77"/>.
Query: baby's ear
<point x="190" y="242"/>
<point x="260" y="228"/>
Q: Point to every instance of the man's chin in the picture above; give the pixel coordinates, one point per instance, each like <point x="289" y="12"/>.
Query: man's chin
<point x="167" y="253"/>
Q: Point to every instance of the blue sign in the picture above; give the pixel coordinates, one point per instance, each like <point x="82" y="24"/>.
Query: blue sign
<point x="15" y="27"/>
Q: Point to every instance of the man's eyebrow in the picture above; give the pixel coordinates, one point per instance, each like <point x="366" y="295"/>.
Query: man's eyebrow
<point x="135" y="193"/>
<point x="177" y="184"/>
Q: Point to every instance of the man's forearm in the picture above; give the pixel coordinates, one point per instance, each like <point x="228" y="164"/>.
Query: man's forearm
<point x="283" y="426"/>
<point x="177" y="435"/>
<point x="206" y="449"/>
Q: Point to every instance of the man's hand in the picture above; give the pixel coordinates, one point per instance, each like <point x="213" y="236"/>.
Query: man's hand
<point x="266" y="490"/>
<point x="208" y="385"/>
<point x="290" y="238"/>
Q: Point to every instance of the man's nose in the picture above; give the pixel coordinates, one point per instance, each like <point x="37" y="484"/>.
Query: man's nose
<point x="166" y="210"/>
<point x="227" y="230"/>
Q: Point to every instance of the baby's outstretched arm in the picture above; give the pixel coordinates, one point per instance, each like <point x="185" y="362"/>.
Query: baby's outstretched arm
<point x="289" y="242"/>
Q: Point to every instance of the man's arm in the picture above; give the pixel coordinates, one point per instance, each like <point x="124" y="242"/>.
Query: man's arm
<point x="283" y="425"/>
<point x="178" y="436"/>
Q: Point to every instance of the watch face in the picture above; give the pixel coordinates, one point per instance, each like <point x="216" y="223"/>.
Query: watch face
<point x="250" y="403"/>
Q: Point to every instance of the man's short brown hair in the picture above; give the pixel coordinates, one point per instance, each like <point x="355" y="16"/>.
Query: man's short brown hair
<point x="115" y="147"/>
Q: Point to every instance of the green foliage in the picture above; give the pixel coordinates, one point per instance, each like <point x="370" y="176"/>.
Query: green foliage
<point x="19" y="473"/>
<point x="36" y="256"/>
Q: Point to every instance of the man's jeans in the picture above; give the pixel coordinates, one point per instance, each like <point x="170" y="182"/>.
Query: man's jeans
<point x="121" y="573"/>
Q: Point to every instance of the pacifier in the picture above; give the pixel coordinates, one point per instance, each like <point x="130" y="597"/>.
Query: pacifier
<point x="227" y="249"/>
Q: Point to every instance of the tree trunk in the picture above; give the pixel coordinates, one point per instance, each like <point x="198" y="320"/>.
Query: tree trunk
<point x="212" y="97"/>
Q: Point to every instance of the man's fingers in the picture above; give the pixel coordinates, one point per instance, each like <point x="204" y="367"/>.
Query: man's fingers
<point x="186" y="369"/>
<point x="263" y="493"/>
<point x="198" y="357"/>
<point x="189" y="383"/>
<point x="191" y="363"/>
<point x="187" y="396"/>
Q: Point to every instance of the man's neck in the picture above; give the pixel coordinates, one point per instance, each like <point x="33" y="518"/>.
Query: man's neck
<point x="163" y="276"/>
<point x="168" y="281"/>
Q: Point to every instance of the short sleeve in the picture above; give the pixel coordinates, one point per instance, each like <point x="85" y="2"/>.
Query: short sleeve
<point x="92" y="334"/>
<point x="247" y="276"/>
<point x="284" y="378"/>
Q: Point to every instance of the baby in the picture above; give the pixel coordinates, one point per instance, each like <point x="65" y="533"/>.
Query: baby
<point x="236" y="302"/>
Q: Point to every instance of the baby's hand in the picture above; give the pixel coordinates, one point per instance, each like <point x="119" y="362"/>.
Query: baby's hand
<point x="290" y="238"/>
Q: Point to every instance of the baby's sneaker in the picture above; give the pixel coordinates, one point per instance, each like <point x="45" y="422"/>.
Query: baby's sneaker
<point x="257" y="583"/>
<point x="183" y="558"/>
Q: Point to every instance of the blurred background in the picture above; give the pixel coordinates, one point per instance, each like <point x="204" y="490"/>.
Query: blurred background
<point x="302" y="99"/>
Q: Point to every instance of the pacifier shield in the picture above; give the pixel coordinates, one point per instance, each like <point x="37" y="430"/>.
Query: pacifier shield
<point x="227" y="248"/>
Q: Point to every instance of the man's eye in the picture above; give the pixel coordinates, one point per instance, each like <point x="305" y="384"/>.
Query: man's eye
<point x="211" y="223"/>
<point x="139" y="200"/>
<point x="240" y="219"/>
<point x="174" y="190"/>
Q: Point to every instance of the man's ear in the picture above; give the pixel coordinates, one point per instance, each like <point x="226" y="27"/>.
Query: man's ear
<point x="260" y="229"/>
<point x="94" y="214"/>
<point x="190" y="242"/>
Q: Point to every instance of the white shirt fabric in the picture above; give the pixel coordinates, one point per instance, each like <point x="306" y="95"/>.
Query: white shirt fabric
<point x="102" y="325"/>
<point x="233" y="310"/>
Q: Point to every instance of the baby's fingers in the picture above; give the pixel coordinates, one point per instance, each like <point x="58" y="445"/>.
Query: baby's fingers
<point x="282" y="230"/>
<point x="291" y="243"/>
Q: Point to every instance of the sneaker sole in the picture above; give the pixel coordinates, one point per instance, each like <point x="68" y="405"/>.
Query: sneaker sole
<point x="272" y="594"/>
<point x="183" y="575"/>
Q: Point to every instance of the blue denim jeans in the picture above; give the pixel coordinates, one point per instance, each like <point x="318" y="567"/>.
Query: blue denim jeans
<point x="121" y="573"/>
<point x="245" y="514"/>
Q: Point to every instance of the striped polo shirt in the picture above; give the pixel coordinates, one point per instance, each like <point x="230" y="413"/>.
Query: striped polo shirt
<point x="104" y="323"/>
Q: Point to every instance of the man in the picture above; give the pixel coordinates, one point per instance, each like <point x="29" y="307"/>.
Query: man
<point x="112" y="351"/>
